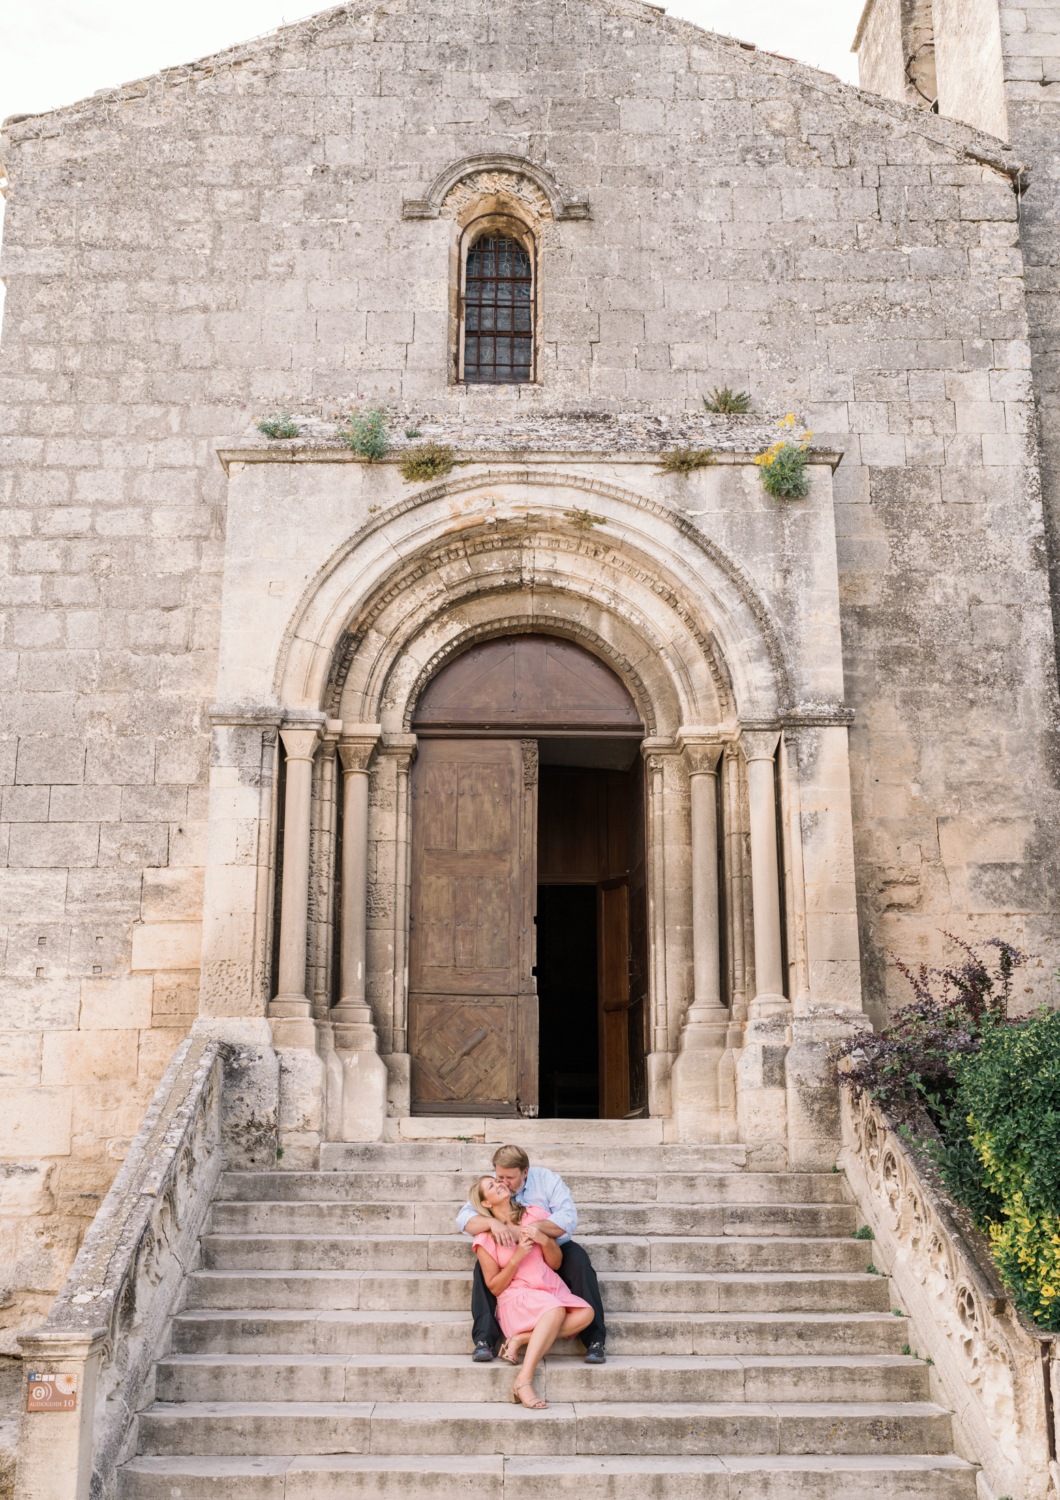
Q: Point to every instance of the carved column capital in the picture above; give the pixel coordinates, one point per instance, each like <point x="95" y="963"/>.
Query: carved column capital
<point x="302" y="743"/>
<point x="701" y="749"/>
<point x="357" y="745"/>
<point x="759" y="744"/>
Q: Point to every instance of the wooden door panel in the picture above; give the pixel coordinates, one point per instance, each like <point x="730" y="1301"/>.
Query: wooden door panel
<point x="471" y="927"/>
<point x="463" y="1051"/>
<point x="466" y="872"/>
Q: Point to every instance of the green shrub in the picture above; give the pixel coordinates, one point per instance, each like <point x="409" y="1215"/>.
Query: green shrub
<point x="366" y="433"/>
<point x="279" y="425"/>
<point x="427" y="461"/>
<point x="727" y="402"/>
<point x="685" y="460"/>
<point x="864" y="1233"/>
<point x="1008" y="1110"/>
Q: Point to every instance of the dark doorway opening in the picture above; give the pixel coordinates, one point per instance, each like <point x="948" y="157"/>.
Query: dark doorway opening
<point x="591" y="929"/>
<point x="566" y="993"/>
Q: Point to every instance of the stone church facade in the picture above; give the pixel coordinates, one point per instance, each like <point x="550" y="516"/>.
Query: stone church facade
<point x="246" y="790"/>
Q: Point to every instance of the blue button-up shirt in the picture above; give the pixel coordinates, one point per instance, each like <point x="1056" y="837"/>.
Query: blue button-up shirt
<point x="542" y="1189"/>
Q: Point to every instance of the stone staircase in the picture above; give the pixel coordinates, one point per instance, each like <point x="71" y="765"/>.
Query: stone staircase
<point x="324" y="1348"/>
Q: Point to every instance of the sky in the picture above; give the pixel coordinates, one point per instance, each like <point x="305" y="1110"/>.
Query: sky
<point x="68" y="49"/>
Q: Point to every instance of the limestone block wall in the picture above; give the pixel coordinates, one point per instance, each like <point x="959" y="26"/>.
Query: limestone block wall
<point x="969" y="63"/>
<point x="193" y="249"/>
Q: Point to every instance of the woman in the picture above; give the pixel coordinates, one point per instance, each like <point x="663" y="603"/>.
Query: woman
<point x="533" y="1305"/>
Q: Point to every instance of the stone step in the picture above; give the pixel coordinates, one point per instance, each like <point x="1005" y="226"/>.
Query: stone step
<point x="586" y="1187"/>
<point x="357" y="1476"/>
<point x="467" y="1159"/>
<point x="282" y="1252"/>
<point x="230" y="1216"/>
<point x="628" y="1291"/>
<point x="562" y="1377"/>
<point x="596" y="1427"/>
<point x="277" y="1331"/>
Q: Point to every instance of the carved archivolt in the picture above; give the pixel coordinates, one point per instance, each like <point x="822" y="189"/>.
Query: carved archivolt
<point x="491" y="174"/>
<point x="494" y="185"/>
<point x="671" y="592"/>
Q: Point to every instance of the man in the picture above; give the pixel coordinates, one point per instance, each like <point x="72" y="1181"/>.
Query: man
<point x="541" y="1188"/>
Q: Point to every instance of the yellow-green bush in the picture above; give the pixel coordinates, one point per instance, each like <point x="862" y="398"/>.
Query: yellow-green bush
<point x="1007" y="1108"/>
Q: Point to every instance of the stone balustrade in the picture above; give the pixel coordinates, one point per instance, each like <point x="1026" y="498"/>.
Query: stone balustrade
<point x="994" y="1369"/>
<point x="110" y="1318"/>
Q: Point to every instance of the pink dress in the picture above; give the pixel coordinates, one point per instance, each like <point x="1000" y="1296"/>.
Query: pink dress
<point x="533" y="1289"/>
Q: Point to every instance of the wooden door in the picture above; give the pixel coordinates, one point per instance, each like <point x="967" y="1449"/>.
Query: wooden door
<point x="612" y="929"/>
<point x="472" y="1000"/>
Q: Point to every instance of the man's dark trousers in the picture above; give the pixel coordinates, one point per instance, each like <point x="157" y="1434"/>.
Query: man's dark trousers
<point x="576" y="1271"/>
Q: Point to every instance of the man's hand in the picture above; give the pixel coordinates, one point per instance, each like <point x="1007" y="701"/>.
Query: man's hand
<point x="504" y="1234"/>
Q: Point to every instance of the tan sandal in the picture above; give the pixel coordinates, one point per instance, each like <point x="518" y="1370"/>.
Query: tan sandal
<point x="509" y="1352"/>
<point x="536" y="1405"/>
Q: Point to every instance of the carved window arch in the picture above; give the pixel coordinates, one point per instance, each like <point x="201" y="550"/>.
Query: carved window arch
<point x="497" y="333"/>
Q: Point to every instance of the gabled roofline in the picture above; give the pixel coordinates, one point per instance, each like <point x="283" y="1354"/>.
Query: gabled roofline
<point x="966" y="142"/>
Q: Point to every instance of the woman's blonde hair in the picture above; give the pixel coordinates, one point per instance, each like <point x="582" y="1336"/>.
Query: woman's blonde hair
<point x="479" y="1204"/>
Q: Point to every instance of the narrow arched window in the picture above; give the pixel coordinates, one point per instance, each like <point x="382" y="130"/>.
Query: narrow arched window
<point x="498" y="308"/>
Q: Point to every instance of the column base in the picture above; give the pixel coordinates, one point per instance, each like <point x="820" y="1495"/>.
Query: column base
<point x="364" y="1088"/>
<point x="660" y="1092"/>
<point x="695" y="1084"/>
<point x="761" y="1091"/>
<point x="398" y="1084"/>
<point x="763" y="1006"/>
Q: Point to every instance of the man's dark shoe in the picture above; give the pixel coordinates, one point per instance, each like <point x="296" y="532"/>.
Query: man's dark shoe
<point x="595" y="1355"/>
<point x="483" y="1352"/>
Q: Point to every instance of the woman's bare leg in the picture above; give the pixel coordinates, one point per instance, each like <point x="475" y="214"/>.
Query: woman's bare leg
<point x="576" y="1320"/>
<point x="543" y="1337"/>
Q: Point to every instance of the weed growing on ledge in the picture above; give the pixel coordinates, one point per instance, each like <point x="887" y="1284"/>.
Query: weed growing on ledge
<point x="784" y="465"/>
<point x="427" y="461"/>
<point x="728" y="403"/>
<point x="366" y="434"/>
<point x="864" y="1233"/>
<point x="279" y="425"/>
<point x="685" y="460"/>
<point x="413" y="432"/>
<point x="583" y="520"/>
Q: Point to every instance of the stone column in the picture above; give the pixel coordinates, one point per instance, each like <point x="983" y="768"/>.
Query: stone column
<point x="290" y="1008"/>
<point x="659" y="1062"/>
<point x="364" y="1072"/>
<point x="389" y="937"/>
<point x="696" y="1109"/>
<point x="759" y="748"/>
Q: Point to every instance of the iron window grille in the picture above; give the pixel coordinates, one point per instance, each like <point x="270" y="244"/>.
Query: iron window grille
<point x="497" y="312"/>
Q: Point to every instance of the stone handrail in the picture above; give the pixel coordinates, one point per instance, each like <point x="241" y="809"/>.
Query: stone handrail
<point x="107" y="1324"/>
<point x="994" y="1369"/>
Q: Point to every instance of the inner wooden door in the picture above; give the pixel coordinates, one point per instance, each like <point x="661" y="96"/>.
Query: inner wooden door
<point x="612" y="948"/>
<point x="472" y="999"/>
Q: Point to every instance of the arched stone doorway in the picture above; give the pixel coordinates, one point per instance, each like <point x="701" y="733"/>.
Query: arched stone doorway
<point x="527" y="977"/>
<point x="729" y="718"/>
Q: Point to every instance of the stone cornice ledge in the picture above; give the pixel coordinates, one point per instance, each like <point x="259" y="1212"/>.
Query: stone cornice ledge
<point x="817" y="716"/>
<point x="242" y="451"/>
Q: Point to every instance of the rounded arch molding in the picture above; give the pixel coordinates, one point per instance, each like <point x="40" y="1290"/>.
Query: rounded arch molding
<point x="637" y="584"/>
